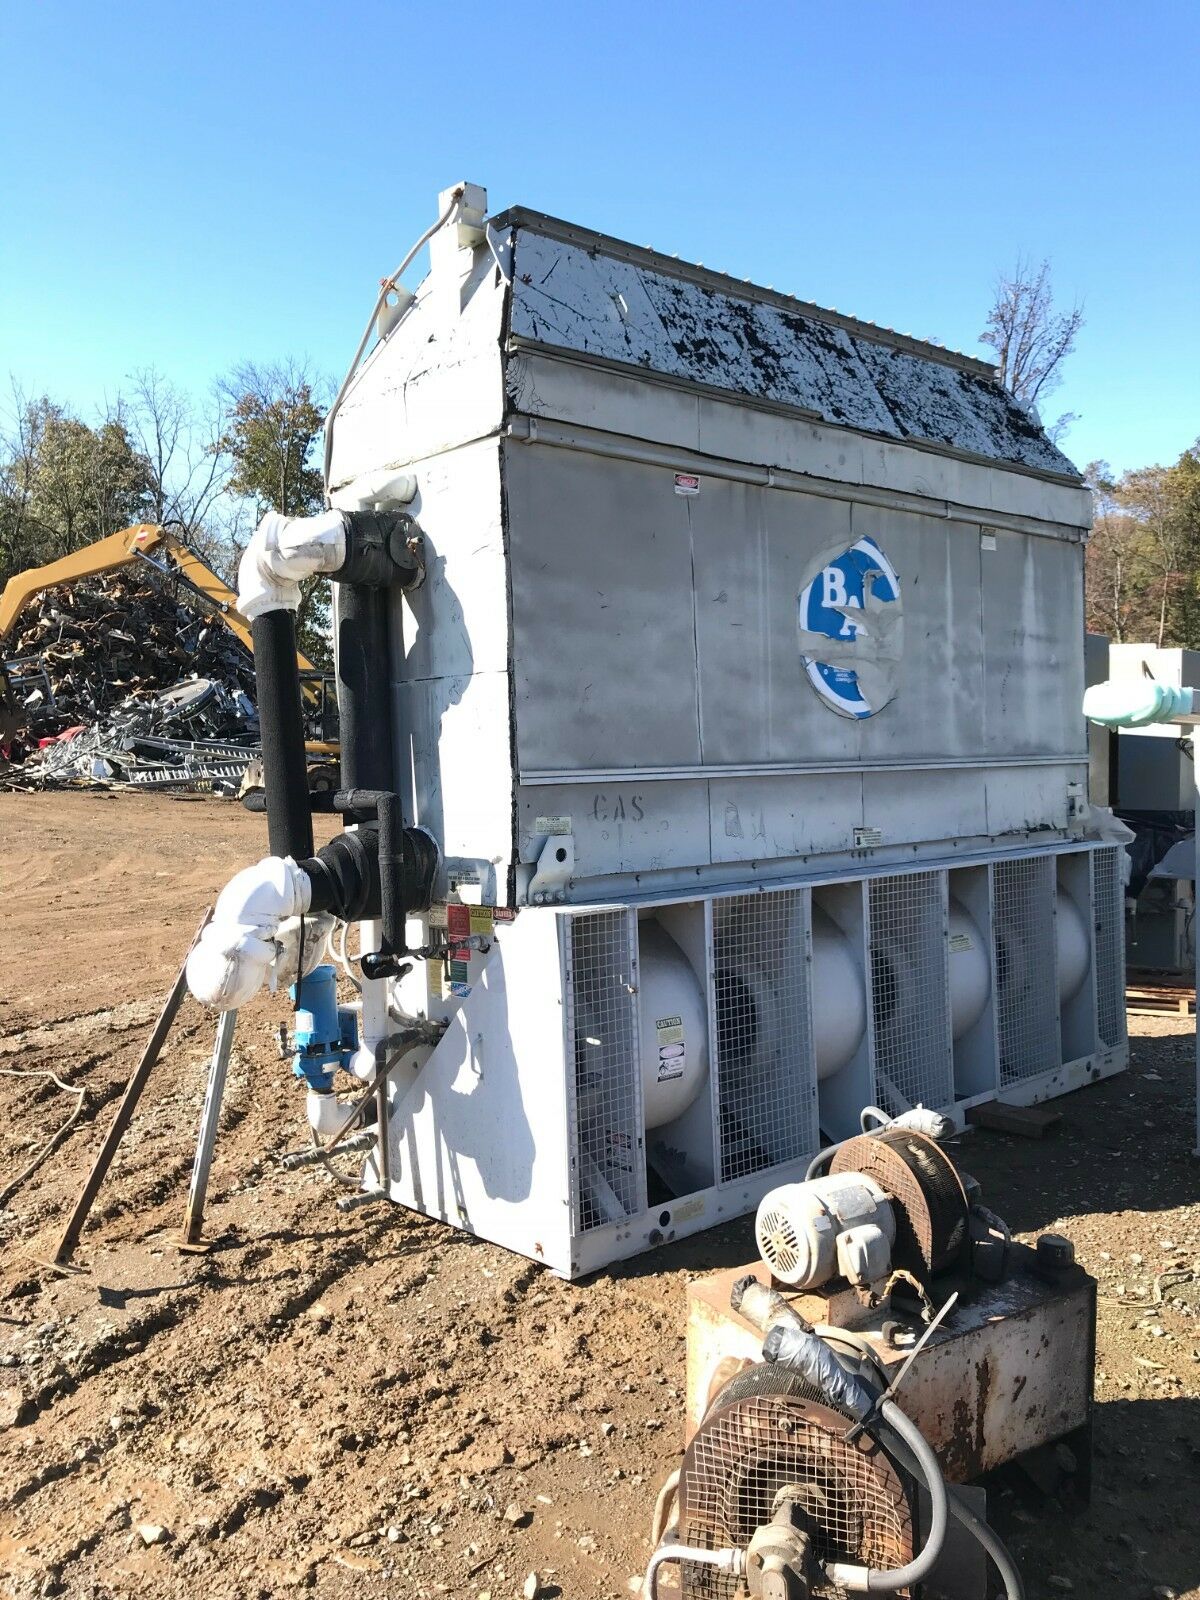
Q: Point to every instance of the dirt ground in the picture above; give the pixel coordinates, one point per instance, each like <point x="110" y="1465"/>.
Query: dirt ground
<point x="373" y="1405"/>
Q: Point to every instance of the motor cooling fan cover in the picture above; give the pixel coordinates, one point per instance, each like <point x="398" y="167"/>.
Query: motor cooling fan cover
<point x="768" y="1428"/>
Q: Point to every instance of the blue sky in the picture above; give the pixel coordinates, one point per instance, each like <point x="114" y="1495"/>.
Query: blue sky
<point x="193" y="184"/>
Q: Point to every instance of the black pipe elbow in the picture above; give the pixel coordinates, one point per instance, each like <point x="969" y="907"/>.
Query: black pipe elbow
<point x="382" y="548"/>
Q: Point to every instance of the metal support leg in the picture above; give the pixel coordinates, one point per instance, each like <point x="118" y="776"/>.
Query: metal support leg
<point x="193" y="1221"/>
<point x="129" y="1100"/>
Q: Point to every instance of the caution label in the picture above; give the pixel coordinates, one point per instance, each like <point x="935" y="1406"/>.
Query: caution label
<point x="672" y="1049"/>
<point x="669" y="1030"/>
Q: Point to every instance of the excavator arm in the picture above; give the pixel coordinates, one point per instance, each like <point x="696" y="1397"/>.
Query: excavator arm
<point x="103" y="556"/>
<point x="141" y="542"/>
<point x="121" y="550"/>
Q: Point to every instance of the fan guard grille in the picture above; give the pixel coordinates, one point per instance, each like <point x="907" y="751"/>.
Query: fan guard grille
<point x="778" y="1242"/>
<point x="749" y="1447"/>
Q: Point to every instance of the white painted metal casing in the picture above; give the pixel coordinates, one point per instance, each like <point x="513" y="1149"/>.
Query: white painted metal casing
<point x="759" y="624"/>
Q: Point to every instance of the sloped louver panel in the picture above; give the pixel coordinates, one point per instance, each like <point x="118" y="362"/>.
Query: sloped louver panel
<point x="910" y="1000"/>
<point x="1108" y="903"/>
<point x="766" y="1080"/>
<point x="1025" y="969"/>
<point x="606" y="1138"/>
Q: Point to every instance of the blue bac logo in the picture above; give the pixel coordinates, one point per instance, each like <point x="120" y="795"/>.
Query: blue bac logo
<point x="848" y="603"/>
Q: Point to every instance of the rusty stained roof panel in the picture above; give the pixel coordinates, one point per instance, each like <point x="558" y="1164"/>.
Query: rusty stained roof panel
<point x="599" y="298"/>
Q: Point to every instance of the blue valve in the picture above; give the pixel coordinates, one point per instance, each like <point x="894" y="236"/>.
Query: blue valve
<point x="325" y="1034"/>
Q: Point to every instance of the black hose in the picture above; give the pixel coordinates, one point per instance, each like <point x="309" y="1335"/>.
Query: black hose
<point x="990" y="1540"/>
<point x="281" y="721"/>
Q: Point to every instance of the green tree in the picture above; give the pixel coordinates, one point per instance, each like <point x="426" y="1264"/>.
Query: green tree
<point x="1143" y="560"/>
<point x="274" y="422"/>
<point x="64" y="484"/>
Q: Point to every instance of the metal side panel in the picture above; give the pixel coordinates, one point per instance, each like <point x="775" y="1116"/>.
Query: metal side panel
<point x="1032" y="646"/>
<point x="913" y="1061"/>
<point x="605" y="1126"/>
<point x="1024" y="968"/>
<point x="457" y="732"/>
<point x="477" y="1127"/>
<point x="766" y="1086"/>
<point x="604" y="641"/>
<point x="436" y="381"/>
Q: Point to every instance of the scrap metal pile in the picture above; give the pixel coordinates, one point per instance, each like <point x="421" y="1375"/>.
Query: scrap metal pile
<point x="123" y="680"/>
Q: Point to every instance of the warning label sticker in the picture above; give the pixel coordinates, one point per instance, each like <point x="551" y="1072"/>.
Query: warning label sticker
<point x="669" y="1030"/>
<point x="687" y="483"/>
<point x="960" y="942"/>
<point x="672" y="1051"/>
<point x="670" y="1062"/>
<point x="552" y="825"/>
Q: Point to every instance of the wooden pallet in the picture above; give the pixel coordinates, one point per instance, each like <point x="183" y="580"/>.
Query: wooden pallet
<point x="1160" y="1000"/>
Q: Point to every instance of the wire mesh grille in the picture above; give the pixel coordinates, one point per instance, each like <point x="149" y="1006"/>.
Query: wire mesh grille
<point x="1108" y="902"/>
<point x="606" y="1120"/>
<point x="766" y="1078"/>
<point x="1026" y="977"/>
<point x="910" y="998"/>
<point x="849" y="1496"/>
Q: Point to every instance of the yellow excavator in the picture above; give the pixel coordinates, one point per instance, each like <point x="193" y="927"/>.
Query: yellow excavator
<point x="145" y="542"/>
<point x="121" y="550"/>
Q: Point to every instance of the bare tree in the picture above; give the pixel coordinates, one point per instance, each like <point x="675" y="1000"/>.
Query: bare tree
<point x="189" y="469"/>
<point x="1031" y="339"/>
<point x="19" y="442"/>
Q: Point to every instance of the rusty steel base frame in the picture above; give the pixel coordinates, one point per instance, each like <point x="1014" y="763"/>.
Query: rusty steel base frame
<point x="1006" y="1378"/>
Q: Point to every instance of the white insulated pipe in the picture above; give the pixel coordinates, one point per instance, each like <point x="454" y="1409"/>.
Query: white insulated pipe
<point x="282" y="552"/>
<point x="230" y="961"/>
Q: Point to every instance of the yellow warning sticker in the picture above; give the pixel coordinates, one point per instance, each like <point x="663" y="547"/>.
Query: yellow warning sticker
<point x="668" y="1030"/>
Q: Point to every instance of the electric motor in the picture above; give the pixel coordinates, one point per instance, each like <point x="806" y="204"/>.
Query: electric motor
<point x="839" y="1226"/>
<point x="891" y="1199"/>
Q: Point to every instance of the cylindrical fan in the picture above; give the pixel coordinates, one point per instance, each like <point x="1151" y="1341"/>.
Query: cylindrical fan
<point x="767" y="1431"/>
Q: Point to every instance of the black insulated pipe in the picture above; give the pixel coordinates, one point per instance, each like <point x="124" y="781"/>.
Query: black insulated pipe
<point x="364" y="701"/>
<point x="281" y="725"/>
<point x="344" y="875"/>
<point x="382" y="548"/>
